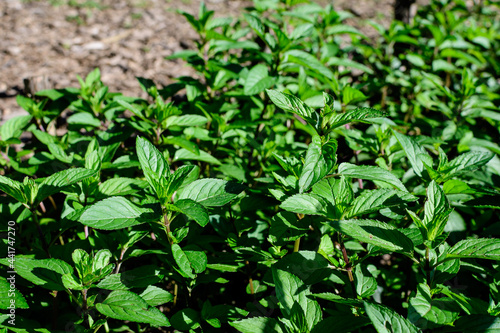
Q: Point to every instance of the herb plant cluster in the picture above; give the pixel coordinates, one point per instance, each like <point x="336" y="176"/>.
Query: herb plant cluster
<point x="307" y="179"/>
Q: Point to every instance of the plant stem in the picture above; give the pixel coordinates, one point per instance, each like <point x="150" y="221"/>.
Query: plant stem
<point x="84" y="306"/>
<point x="250" y="282"/>
<point x="348" y="265"/>
<point x="296" y="245"/>
<point x="73" y="297"/>
<point x="167" y="228"/>
<point x="40" y="232"/>
<point x="122" y="253"/>
<point x="427" y="266"/>
<point x="176" y="289"/>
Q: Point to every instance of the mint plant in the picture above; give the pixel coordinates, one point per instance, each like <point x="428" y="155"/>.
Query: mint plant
<point x="307" y="179"/>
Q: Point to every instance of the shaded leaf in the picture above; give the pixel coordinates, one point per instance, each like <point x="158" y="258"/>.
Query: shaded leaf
<point x="386" y="320"/>
<point x="139" y="277"/>
<point x="477" y="323"/>
<point x="257" y="325"/>
<point x="46" y="273"/>
<point x="341" y="322"/>
<point x="9" y="295"/>
<point x="186" y="320"/>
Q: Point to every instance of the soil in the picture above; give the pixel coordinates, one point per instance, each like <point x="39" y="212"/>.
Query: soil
<point x="49" y="42"/>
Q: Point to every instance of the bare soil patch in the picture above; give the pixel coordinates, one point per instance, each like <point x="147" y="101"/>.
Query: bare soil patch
<point x="124" y="38"/>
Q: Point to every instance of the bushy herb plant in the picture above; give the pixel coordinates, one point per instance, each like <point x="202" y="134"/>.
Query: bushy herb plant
<point x="306" y="179"/>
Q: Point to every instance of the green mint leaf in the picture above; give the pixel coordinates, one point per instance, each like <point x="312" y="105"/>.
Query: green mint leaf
<point x="112" y="214"/>
<point x="211" y="192"/>
<point x="119" y="187"/>
<point x="465" y="162"/>
<point x="374" y="200"/>
<point x="359" y="114"/>
<point x="308" y="61"/>
<point x="481" y="248"/>
<point x="291" y="290"/>
<point x="319" y="161"/>
<point x="255" y="23"/>
<point x="155" y="296"/>
<point x="428" y="313"/>
<point x="292" y="104"/>
<point x="186" y="120"/>
<point x="59" y="180"/>
<point x="154" y="166"/>
<point x="337" y="191"/>
<point x="194" y="210"/>
<point x="197" y="259"/>
<point x="186" y="155"/>
<point x="308" y="204"/>
<point x="13" y="188"/>
<point x="413" y="152"/>
<point x="371" y="173"/>
<point x="339" y="299"/>
<point x="437" y="210"/>
<point x="125" y="305"/>
<point x="13" y="128"/>
<point x="179" y="178"/>
<point x="257" y="80"/>
<point x="182" y="261"/>
<point x="366" y="285"/>
<point x="376" y="233"/>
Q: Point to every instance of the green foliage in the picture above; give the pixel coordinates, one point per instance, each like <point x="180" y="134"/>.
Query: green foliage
<point x="306" y="179"/>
